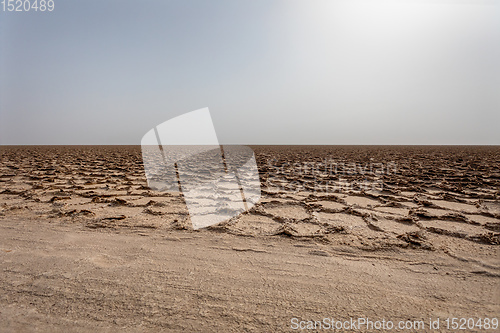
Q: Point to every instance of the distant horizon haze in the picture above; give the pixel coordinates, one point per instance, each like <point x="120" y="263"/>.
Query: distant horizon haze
<point x="272" y="72"/>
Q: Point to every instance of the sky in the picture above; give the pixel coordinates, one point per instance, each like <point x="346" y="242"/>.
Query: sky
<point x="270" y="71"/>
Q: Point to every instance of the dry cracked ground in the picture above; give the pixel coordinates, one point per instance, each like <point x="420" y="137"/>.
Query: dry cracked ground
<point x="367" y="197"/>
<point x="372" y="199"/>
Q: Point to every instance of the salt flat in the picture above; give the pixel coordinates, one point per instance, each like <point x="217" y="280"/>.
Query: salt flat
<point x="66" y="278"/>
<point x="401" y="233"/>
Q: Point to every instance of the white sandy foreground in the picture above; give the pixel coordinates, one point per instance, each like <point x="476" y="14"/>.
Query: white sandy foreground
<point x="58" y="277"/>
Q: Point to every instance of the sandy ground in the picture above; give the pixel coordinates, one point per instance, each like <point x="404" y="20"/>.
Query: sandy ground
<point x="58" y="277"/>
<point x="403" y="233"/>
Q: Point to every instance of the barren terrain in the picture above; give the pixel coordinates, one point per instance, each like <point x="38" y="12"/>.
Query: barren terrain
<point x="394" y="232"/>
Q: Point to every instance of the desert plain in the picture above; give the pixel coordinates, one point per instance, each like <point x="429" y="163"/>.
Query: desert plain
<point x="399" y="233"/>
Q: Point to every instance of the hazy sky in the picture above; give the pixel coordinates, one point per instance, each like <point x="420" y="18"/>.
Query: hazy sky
<point x="271" y="71"/>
